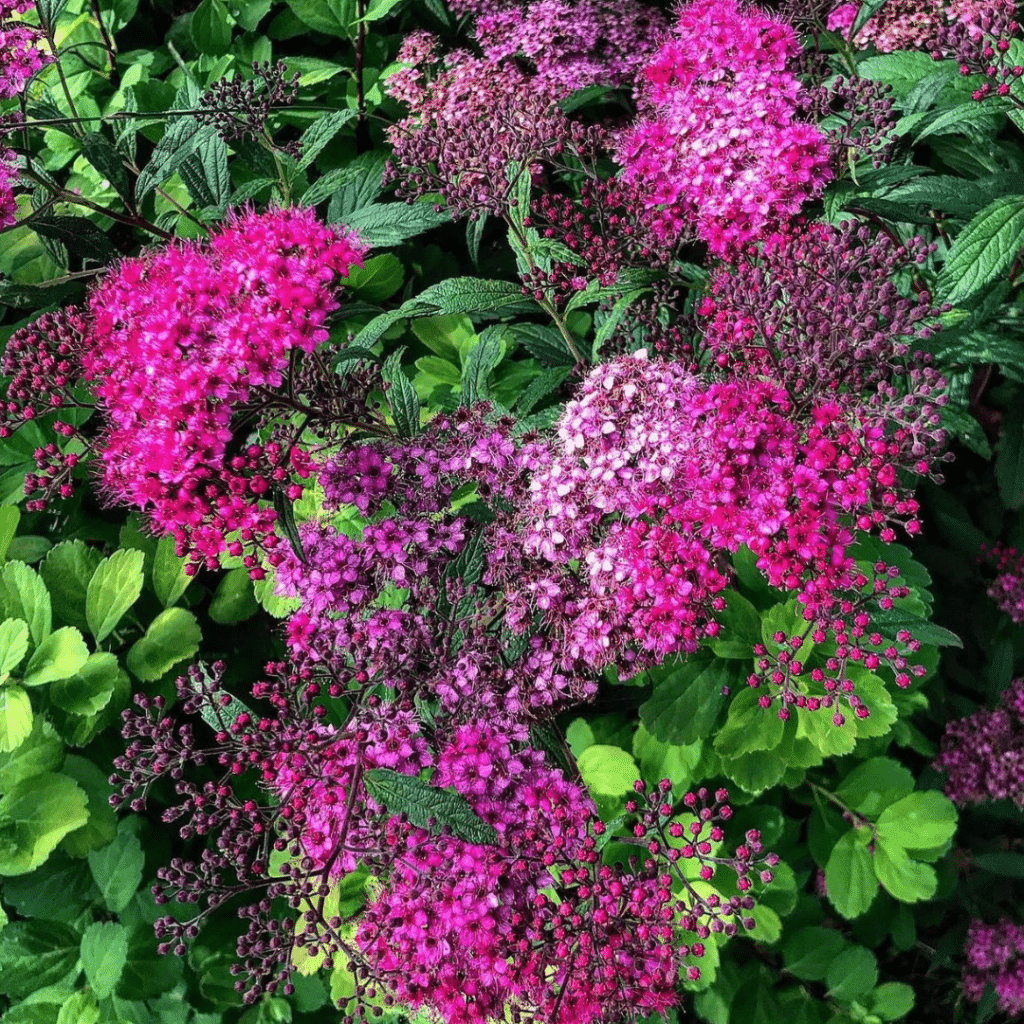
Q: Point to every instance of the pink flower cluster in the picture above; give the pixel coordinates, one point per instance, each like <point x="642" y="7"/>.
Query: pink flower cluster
<point x="719" y="144"/>
<point x="1007" y="589"/>
<point x="8" y="179"/>
<point x="182" y="337"/>
<point x="913" y="24"/>
<point x="573" y="44"/>
<point x="659" y="475"/>
<point x="983" y="753"/>
<point x="995" y="956"/>
<point x="20" y="53"/>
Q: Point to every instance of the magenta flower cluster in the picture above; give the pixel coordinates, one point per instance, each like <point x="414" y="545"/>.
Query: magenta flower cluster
<point x="22" y="54"/>
<point x="174" y="343"/>
<point x="720" y="145"/>
<point x="983" y="754"/>
<point x="1007" y="589"/>
<point x="995" y="956"/>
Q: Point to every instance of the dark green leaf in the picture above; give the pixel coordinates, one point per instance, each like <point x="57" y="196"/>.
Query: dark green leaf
<point x="889" y="621"/>
<point x="34" y="954"/>
<point x="401" y="396"/>
<point x="172" y="637"/>
<point x="234" y="600"/>
<point x="545" y="343"/>
<point x="100" y="152"/>
<point x="387" y="224"/>
<point x="985" y="249"/>
<point x="66" y="571"/>
<point x="481" y="362"/>
<point x="808" y="952"/>
<point x="209" y="26"/>
<point x="428" y="807"/>
<point x="1010" y="457"/>
<point x="40" y="751"/>
<point x="852" y="974"/>
<point x="686" y="700"/>
<point x="286" y="521"/>
<point x="891" y="1001"/>
<point x="1005" y="865"/>
<point x="79" y="234"/>
<point x="749" y="726"/>
<point x="115" y="586"/>
<point x="184" y="136"/>
<point x="874" y="785"/>
<point x="319" y="134"/>
<point x="146" y="973"/>
<point x="205" y="173"/>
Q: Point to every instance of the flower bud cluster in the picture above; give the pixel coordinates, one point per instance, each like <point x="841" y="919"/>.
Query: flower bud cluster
<point x="719" y="145"/>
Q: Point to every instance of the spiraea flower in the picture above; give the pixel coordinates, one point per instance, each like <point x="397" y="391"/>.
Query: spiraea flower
<point x="994" y="956"/>
<point x="983" y="754"/>
<point x="719" y="145"/>
<point x="22" y="52"/>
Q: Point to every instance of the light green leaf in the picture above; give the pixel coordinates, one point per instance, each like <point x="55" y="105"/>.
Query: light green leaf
<point x="660" y="760"/>
<point x="80" y="1008"/>
<point x="874" y="785"/>
<point x="173" y="636"/>
<point x="169" y="578"/>
<point x="59" y="656"/>
<point x="607" y="770"/>
<point x="13" y="644"/>
<point x="851" y="974"/>
<point x="101" y="827"/>
<point x="9" y="518"/>
<point x="117" y="870"/>
<point x="104" y="954"/>
<point x="34" y="817"/>
<point x="66" y="571"/>
<point x="891" y="1001"/>
<point x="40" y="751"/>
<point x="23" y="595"/>
<point x="317" y="136"/>
<point x="15" y="717"/>
<point x="89" y="690"/>
<point x="115" y="586"/>
<point x="905" y="879"/>
<point x="749" y="726"/>
<point x="918" y="821"/>
<point x="849" y="874"/>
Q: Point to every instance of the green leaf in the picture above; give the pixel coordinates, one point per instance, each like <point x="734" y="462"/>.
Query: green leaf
<point x="984" y="250"/>
<point x="979" y="123"/>
<point x="388" y="224"/>
<point x="210" y="29"/>
<point x="809" y="952"/>
<point x="15" y="717"/>
<point x="23" y="595"/>
<point x="115" y="586"/>
<point x="918" y="822"/>
<point x="607" y="770"/>
<point x="401" y="396"/>
<point x="332" y="17"/>
<point x="34" y="817"/>
<point x="319" y="134"/>
<point x="685" y="703"/>
<point x="40" y="751"/>
<point x="850" y="876"/>
<point x="423" y="804"/>
<point x="173" y="636"/>
<point x="447" y="336"/>
<point x="89" y="690"/>
<point x="66" y="571"/>
<point x="104" y="954"/>
<point x="9" y="519"/>
<point x="749" y="726"/>
<point x="13" y="644"/>
<point x="891" y="1001"/>
<point x="146" y="973"/>
<point x="480" y="363"/>
<point x="101" y="827"/>
<point x="59" y="656"/>
<point x="544" y="343"/>
<point x="905" y="879"/>
<point x="183" y="137"/>
<point x="852" y="974"/>
<point x="35" y="954"/>
<point x="81" y="236"/>
<point x="659" y="760"/>
<point x="234" y="600"/>
<point x="102" y="154"/>
<point x="1010" y="457"/>
<point x="79" y="1008"/>
<point x="169" y="578"/>
<point x="889" y="621"/>
<point x="874" y="785"/>
<point x="1006" y="865"/>
<point x="205" y="173"/>
<point x="117" y="870"/>
<point x="378" y="279"/>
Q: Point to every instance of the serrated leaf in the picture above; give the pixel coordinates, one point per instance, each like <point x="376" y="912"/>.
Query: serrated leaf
<point x="480" y="363"/>
<point x="10" y="516"/>
<point x="117" y="870"/>
<point x="906" y="880"/>
<point x="978" y="122"/>
<point x="807" y="953"/>
<point x="101" y="828"/>
<point x="89" y="690"/>
<point x="686" y="700"/>
<point x="401" y="396"/>
<point x="104" y="953"/>
<point x="850" y="875"/>
<point x="205" y="173"/>
<point x="23" y="595"/>
<point x="918" y="821"/>
<point x="13" y="644"/>
<point x="749" y="726"/>
<point x="183" y="137"/>
<point x="81" y="236"/>
<point x="209" y="27"/>
<point x="59" y="656"/>
<point x="115" y="586"/>
<point x="66" y="571"/>
<point x="545" y="343"/>
<point x="34" y="817"/>
<point x="320" y="133"/>
<point x="15" y="717"/>
<point x="169" y="578"/>
<point x="984" y="250"/>
<point x="173" y="636"/>
<point x="389" y="224"/>
<point x="40" y="751"/>
<point x="102" y="154"/>
<point x="423" y="803"/>
<point x="874" y="785"/>
<point x="853" y="973"/>
<point x="34" y="955"/>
